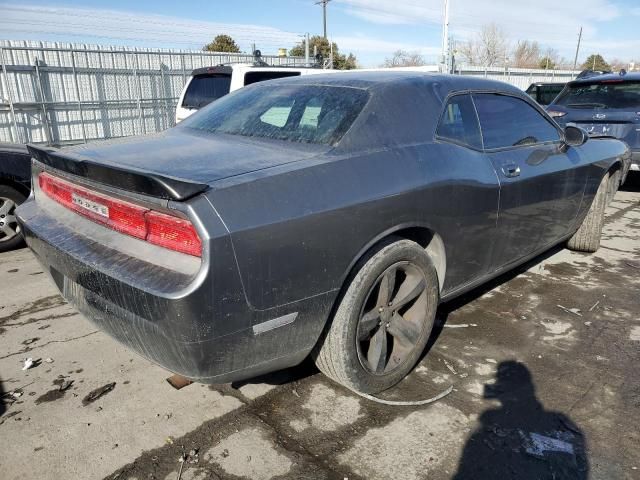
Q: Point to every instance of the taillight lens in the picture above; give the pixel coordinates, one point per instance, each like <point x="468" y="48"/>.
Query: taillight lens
<point x="158" y="228"/>
<point x="555" y="113"/>
<point x="172" y="233"/>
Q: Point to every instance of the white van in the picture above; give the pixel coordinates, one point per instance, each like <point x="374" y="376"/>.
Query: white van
<point x="210" y="83"/>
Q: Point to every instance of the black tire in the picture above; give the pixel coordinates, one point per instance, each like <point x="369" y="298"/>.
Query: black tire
<point x="10" y="236"/>
<point x="614" y="185"/>
<point x="587" y="237"/>
<point x="403" y="266"/>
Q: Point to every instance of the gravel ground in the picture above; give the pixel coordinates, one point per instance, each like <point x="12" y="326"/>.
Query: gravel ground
<point x="543" y="363"/>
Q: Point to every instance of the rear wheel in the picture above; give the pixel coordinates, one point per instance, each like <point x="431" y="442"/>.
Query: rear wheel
<point x="383" y="321"/>
<point x="587" y="237"/>
<point x="10" y="236"/>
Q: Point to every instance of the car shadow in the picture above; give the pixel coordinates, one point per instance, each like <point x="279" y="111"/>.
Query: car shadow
<point x="632" y="184"/>
<point x="519" y="438"/>
<point x="281" y="377"/>
<point x="446" y="308"/>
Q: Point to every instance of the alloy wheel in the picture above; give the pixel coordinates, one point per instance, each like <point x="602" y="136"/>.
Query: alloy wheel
<point x="9" y="227"/>
<point x="393" y="318"/>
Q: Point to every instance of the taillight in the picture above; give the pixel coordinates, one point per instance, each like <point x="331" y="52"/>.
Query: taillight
<point x="158" y="228"/>
<point x="556" y="113"/>
<point x="172" y="233"/>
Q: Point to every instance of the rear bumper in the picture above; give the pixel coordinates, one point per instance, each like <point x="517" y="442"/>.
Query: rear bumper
<point x="174" y="320"/>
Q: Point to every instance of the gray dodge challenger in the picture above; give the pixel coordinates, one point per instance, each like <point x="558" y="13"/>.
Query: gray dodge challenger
<point x="323" y="215"/>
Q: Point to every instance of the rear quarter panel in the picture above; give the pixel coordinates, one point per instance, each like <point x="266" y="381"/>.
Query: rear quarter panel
<point x="297" y="233"/>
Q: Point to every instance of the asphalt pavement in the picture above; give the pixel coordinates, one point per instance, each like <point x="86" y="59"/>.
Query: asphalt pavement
<point x="543" y="362"/>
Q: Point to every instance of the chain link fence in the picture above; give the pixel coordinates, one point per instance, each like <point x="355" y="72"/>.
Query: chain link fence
<point x="68" y="93"/>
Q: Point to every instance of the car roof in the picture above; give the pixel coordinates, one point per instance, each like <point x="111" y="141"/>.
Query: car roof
<point x="228" y="69"/>
<point x="414" y="100"/>
<point x="629" y="76"/>
<point x="380" y="79"/>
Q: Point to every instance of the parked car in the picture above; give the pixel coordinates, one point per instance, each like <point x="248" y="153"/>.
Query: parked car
<point x="15" y="184"/>
<point x="208" y="84"/>
<point x="604" y="105"/>
<point x="326" y="215"/>
<point x="544" y="93"/>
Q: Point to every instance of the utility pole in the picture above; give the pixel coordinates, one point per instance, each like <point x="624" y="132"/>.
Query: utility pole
<point x="445" y="36"/>
<point x="324" y="15"/>
<point x="306" y="50"/>
<point x="575" y="60"/>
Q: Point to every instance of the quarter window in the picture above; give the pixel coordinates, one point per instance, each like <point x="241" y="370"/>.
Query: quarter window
<point x="459" y="122"/>
<point x="509" y="121"/>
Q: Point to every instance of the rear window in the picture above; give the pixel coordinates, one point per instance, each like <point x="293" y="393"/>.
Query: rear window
<point x="204" y="89"/>
<point x="548" y="93"/>
<point x="296" y="113"/>
<point x="255" y="77"/>
<point x="604" y="94"/>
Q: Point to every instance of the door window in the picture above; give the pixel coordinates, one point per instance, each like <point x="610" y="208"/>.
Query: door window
<point x="508" y="121"/>
<point x="459" y="123"/>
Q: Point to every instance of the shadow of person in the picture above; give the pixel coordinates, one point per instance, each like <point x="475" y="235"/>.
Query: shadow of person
<point x="520" y="439"/>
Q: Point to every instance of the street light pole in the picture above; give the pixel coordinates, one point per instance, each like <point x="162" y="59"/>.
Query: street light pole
<point x="324" y="15"/>
<point x="445" y="35"/>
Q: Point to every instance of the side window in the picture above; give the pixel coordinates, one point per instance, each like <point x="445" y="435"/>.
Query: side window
<point x="459" y="122"/>
<point x="261" y="76"/>
<point x="509" y="121"/>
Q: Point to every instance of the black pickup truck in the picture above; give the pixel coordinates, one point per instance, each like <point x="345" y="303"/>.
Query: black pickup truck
<point x="15" y="184"/>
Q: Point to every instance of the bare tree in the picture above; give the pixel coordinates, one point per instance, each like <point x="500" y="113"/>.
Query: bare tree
<point x="493" y="45"/>
<point x="617" y="64"/>
<point x="402" y="58"/>
<point x="526" y="54"/>
<point x="488" y="48"/>
<point x="470" y="52"/>
<point x="551" y="60"/>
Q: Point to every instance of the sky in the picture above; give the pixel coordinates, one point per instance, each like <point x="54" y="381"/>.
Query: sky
<point x="371" y="29"/>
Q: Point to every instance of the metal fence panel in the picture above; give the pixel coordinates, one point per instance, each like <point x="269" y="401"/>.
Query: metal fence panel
<point x="519" y="77"/>
<point x="69" y="93"/>
<point x="60" y="93"/>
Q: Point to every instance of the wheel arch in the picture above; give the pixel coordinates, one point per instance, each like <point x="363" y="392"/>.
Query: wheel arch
<point x="19" y="186"/>
<point x="423" y="235"/>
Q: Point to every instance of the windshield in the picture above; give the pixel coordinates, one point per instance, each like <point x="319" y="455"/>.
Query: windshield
<point x="607" y="94"/>
<point x="297" y="113"/>
<point x="204" y="89"/>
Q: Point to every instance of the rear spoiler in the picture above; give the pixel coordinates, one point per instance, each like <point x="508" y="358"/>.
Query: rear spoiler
<point x="131" y="180"/>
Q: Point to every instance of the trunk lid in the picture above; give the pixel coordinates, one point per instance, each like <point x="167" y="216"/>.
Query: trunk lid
<point x="176" y="164"/>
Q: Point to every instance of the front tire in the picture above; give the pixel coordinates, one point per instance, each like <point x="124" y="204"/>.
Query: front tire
<point x="383" y="320"/>
<point x="587" y="237"/>
<point x="10" y="235"/>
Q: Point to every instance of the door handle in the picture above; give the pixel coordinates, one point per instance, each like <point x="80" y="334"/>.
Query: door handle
<point x="511" y="170"/>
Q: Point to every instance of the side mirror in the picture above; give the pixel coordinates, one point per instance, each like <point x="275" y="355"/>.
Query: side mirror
<point x="574" y="136"/>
